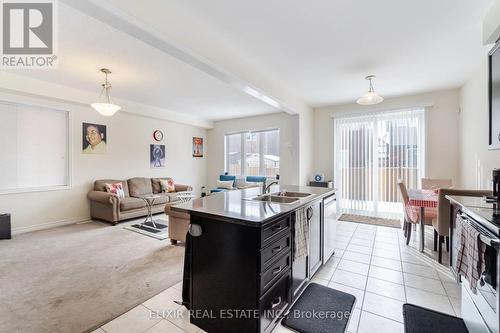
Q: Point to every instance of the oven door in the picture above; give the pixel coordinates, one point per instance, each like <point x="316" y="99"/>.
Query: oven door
<point x="480" y="309"/>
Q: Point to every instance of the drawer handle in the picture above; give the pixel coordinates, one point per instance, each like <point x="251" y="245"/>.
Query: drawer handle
<point x="276" y="302"/>
<point x="277" y="227"/>
<point x="277" y="249"/>
<point x="277" y="270"/>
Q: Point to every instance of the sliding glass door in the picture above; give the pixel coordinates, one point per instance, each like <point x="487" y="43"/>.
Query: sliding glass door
<point x="373" y="151"/>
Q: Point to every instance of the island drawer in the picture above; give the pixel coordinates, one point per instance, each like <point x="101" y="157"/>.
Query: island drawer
<point x="275" y="228"/>
<point x="273" y="272"/>
<point x="274" y="303"/>
<point x="269" y="254"/>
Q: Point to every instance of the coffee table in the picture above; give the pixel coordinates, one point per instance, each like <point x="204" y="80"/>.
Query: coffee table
<point x="149" y="221"/>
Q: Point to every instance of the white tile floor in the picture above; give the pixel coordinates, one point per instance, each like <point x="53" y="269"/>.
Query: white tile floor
<point x="372" y="263"/>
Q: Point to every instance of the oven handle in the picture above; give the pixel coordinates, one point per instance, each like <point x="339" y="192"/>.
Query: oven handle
<point x="486" y="237"/>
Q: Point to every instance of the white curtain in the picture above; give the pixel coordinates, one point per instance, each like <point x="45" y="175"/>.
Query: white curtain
<point x="373" y="151"/>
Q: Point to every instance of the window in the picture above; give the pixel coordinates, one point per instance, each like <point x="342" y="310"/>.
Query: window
<point x="233" y="154"/>
<point x="372" y="152"/>
<point x="253" y="153"/>
<point x="35" y="148"/>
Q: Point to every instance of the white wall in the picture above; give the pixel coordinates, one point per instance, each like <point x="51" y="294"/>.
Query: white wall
<point x="476" y="160"/>
<point x="442" y="124"/>
<point x="289" y="166"/>
<point x="129" y="137"/>
<point x="306" y="143"/>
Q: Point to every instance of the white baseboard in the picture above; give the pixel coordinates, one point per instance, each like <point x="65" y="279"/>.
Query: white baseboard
<point x="48" y="225"/>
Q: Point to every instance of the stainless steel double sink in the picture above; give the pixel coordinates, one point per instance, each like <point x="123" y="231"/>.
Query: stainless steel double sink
<point x="284" y="197"/>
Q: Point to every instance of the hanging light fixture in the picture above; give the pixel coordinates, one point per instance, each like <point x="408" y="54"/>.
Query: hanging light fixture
<point x="105" y="107"/>
<point x="371" y="97"/>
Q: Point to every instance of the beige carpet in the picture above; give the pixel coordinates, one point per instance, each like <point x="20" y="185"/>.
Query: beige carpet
<point x="370" y="220"/>
<point x="78" y="277"/>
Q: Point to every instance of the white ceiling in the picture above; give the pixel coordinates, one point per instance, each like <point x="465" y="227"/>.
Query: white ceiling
<point x="322" y="50"/>
<point x="141" y="73"/>
<point x="318" y="50"/>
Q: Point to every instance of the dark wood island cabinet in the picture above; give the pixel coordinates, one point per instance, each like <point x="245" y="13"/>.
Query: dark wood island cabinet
<point x="242" y="274"/>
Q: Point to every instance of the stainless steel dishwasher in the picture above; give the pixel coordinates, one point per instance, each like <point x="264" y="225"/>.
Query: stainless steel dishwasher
<point x="330" y="226"/>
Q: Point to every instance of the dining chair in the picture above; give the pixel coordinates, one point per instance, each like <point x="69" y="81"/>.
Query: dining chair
<point x="411" y="215"/>
<point x="442" y="223"/>
<point x="435" y="183"/>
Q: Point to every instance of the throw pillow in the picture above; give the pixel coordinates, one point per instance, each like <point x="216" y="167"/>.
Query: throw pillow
<point x="225" y="184"/>
<point x="167" y="185"/>
<point x="116" y="189"/>
<point x="163" y="185"/>
<point x="170" y="185"/>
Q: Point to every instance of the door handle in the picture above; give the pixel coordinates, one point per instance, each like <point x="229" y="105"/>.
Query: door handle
<point x="276" y="302"/>
<point x="277" y="227"/>
<point x="277" y="249"/>
<point x="195" y="230"/>
<point x="309" y="213"/>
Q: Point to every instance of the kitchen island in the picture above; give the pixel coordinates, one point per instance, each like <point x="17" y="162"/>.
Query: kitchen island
<point x="241" y="272"/>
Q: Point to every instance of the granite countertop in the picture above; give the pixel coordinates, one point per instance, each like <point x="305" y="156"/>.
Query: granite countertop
<point x="232" y="204"/>
<point x="487" y="213"/>
<point x="465" y="201"/>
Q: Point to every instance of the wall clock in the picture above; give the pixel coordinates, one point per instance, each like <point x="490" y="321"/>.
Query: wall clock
<point x="158" y="135"/>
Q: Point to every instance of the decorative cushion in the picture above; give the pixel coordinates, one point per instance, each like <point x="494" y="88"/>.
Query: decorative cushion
<point x="100" y="185"/>
<point x="256" y="179"/>
<point x="167" y="185"/>
<point x="245" y="183"/>
<point x="225" y="184"/>
<point x="227" y="177"/>
<point x="116" y="189"/>
<point x="155" y="182"/>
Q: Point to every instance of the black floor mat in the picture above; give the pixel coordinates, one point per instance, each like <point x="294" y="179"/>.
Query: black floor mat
<point x="421" y="320"/>
<point x="320" y="310"/>
<point x="157" y="225"/>
<point x="146" y="228"/>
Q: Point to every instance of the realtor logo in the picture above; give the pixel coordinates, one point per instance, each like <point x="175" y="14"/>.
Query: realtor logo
<point x="28" y="34"/>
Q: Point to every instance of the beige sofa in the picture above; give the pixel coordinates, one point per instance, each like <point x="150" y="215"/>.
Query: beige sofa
<point x="110" y="208"/>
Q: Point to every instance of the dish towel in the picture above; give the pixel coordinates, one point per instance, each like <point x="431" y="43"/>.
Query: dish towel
<point x="301" y="240"/>
<point x="470" y="253"/>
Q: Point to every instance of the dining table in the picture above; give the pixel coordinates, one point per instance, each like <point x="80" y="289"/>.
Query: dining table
<point x="422" y="199"/>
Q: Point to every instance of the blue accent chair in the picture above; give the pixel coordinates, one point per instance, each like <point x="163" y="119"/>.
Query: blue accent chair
<point x="223" y="178"/>
<point x="256" y="179"/>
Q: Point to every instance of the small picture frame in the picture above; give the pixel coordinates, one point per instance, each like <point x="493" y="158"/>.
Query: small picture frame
<point x="94" y="138"/>
<point x="197" y="147"/>
<point x="157" y="156"/>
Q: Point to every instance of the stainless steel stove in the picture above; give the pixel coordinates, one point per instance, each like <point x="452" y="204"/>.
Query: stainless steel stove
<point x="486" y="213"/>
<point x="480" y="309"/>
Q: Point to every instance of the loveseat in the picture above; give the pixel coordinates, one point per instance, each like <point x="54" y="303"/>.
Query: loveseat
<point x="108" y="207"/>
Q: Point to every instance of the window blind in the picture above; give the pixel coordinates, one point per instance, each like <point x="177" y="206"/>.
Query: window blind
<point x="35" y="145"/>
<point x="372" y="152"/>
